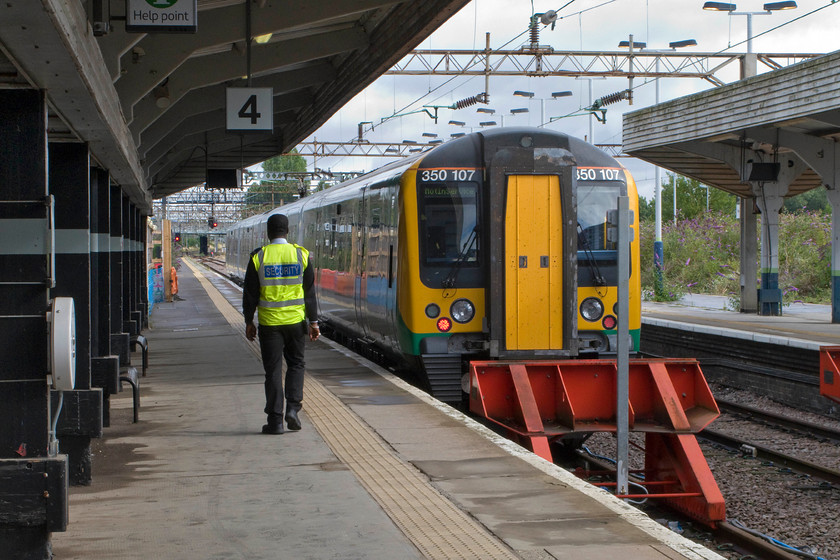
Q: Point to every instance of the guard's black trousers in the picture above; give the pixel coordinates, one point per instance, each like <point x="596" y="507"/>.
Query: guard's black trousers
<point x="278" y="342"/>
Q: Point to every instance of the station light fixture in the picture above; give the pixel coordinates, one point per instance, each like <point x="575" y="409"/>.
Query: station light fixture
<point x="487" y="123"/>
<point x="719" y="7"/>
<point x="486" y="110"/>
<point x="557" y="94"/>
<point x="518" y="110"/>
<point x="636" y="44"/>
<point x="457" y="134"/>
<point x="523" y="93"/>
<point x="681" y="44"/>
<point x="429" y="135"/>
<point x="768" y="7"/>
<point x="776" y="6"/>
<point x="436" y="141"/>
<point x="457" y="123"/>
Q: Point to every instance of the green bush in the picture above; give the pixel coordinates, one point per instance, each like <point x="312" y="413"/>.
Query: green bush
<point x="702" y="255"/>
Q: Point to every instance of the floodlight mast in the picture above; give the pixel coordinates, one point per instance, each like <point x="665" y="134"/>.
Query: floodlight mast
<point x="769" y="8"/>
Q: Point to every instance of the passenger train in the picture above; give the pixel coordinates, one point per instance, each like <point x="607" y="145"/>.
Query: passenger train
<point x="492" y="246"/>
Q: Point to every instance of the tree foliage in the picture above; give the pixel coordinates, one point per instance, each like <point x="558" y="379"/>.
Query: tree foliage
<point x="269" y="194"/>
<point x="703" y="255"/>
<point x="693" y="199"/>
<point x="815" y="200"/>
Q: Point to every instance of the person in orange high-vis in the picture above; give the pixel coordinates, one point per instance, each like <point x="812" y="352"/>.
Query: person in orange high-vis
<point x="279" y="287"/>
<point x="173" y="281"/>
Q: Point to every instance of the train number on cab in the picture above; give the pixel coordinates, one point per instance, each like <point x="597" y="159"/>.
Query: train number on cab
<point x="599" y="174"/>
<point x="432" y="175"/>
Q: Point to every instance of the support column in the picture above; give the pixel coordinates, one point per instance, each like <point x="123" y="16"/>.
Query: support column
<point x="749" y="257"/>
<point x="33" y="482"/>
<point x="834" y="199"/>
<point x="81" y="413"/>
<point x="119" y="338"/>
<point x="105" y="365"/>
<point x="128" y="284"/>
<point x="770" y="199"/>
<point x="140" y="268"/>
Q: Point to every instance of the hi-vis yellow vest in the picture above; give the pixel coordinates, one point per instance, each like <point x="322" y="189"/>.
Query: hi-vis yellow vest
<point x="280" y="268"/>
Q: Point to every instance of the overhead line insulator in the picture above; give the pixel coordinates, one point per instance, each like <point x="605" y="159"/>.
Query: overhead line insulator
<point x="470" y="101"/>
<point x="613" y="98"/>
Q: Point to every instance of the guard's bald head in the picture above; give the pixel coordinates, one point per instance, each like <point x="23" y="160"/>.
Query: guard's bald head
<point x="277" y="226"/>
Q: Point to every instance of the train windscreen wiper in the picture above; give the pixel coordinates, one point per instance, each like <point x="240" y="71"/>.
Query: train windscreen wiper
<point x="597" y="277"/>
<point x="449" y="281"/>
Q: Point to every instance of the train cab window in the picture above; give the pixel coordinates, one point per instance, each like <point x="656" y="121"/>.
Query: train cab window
<point x="597" y="257"/>
<point x="448" y="231"/>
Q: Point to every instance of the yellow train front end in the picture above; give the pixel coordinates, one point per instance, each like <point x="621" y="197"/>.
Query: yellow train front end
<point x="598" y="189"/>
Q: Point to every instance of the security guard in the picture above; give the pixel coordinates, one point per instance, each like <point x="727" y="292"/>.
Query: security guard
<point x="279" y="285"/>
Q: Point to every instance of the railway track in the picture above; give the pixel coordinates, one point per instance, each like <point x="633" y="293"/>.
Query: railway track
<point x="729" y="537"/>
<point x="781" y="420"/>
<point x="778" y="458"/>
<point x="765" y="453"/>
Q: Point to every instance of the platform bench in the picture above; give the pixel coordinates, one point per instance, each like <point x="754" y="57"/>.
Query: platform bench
<point x="129" y="375"/>
<point x="140" y="340"/>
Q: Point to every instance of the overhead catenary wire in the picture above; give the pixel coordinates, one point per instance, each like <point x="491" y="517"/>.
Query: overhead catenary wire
<point x="772" y="29"/>
<point x="526" y="31"/>
<point x="450" y="80"/>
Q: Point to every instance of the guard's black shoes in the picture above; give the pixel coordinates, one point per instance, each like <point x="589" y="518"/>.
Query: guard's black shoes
<point x="292" y="420"/>
<point x="272" y="429"/>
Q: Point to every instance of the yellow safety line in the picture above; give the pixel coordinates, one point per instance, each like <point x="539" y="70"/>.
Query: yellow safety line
<point x="437" y="527"/>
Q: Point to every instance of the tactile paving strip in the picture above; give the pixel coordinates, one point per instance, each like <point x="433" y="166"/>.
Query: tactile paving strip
<point x="434" y="524"/>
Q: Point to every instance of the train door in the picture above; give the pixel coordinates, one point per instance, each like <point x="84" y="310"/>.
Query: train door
<point x="533" y="256"/>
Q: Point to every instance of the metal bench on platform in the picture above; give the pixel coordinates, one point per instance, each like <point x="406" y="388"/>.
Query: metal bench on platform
<point x="129" y="375"/>
<point x="140" y="340"/>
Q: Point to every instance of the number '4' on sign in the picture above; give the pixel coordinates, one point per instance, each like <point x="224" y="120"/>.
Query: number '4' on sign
<point x="250" y="109"/>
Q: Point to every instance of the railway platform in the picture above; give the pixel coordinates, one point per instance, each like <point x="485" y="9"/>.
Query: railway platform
<point x="803" y="325"/>
<point x="774" y="356"/>
<point x="379" y="470"/>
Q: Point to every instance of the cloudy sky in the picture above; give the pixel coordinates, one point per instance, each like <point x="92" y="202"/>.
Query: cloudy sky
<point x="585" y="25"/>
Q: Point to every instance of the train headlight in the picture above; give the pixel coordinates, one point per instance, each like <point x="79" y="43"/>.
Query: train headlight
<point x="432" y="310"/>
<point x="591" y="309"/>
<point x="462" y="311"/>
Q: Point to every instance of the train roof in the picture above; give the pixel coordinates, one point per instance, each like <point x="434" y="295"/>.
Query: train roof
<point x="462" y="149"/>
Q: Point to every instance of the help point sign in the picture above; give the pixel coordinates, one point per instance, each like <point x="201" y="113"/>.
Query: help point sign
<point x="161" y="16"/>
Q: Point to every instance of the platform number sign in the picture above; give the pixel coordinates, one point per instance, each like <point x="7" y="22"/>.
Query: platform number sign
<point x="250" y="109"/>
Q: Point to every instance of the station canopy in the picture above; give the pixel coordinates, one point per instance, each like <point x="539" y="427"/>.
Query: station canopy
<point x="717" y="136"/>
<point x="152" y="105"/>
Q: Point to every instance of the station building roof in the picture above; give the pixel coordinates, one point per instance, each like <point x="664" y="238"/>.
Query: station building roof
<point x="151" y="106"/>
<point x="714" y="136"/>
